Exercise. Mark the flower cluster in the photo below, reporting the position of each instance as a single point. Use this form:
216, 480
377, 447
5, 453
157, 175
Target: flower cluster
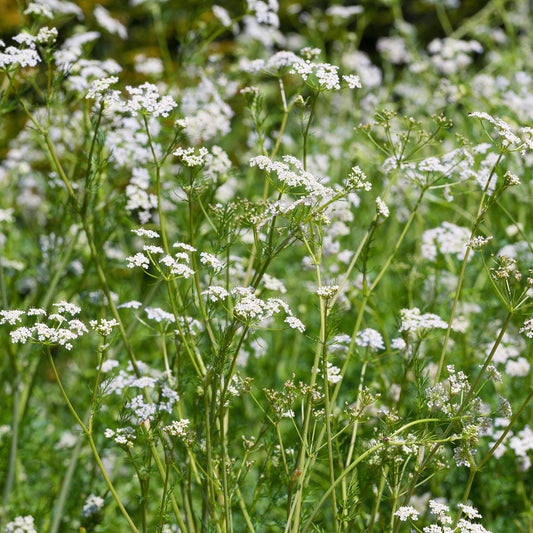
140, 405
178, 428
357, 180
442, 395
191, 157
168, 266
448, 239
332, 374
412, 321
253, 310
58, 331
93, 504
103, 327
122, 436
290, 179
443, 520
320, 76
450, 56
144, 99
27, 56
147, 100
265, 12
21, 524
503, 130
327, 291
370, 339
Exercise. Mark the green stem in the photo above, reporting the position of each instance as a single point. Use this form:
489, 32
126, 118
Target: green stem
350, 468
160, 521
479, 216
91, 443
224, 466
327, 408
506, 432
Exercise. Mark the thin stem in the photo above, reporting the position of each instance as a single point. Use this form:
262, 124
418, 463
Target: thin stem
477, 222
306, 131
350, 468
224, 466
91, 443
160, 522
506, 431
327, 409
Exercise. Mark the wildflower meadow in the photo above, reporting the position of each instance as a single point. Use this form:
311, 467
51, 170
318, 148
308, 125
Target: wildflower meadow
266, 266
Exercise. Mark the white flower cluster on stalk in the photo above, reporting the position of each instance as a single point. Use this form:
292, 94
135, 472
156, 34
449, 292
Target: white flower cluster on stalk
320, 76
144, 99
26, 54
252, 310
58, 330
168, 266
443, 519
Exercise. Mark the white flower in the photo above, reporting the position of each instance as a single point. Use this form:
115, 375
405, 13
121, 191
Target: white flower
106, 21
273, 284
141, 232
353, 81
21, 524
100, 87
151, 249
175, 267
191, 157
446, 239
344, 11
266, 12
406, 512
108, 365
518, 368
211, 261
414, 322
11, 316
222, 15
157, 314
142, 410
295, 323
398, 344
438, 508
503, 129
21, 335
333, 373
178, 428
511, 180
327, 291
103, 327
132, 304
22, 58
66, 307
527, 328
381, 208
358, 180
469, 511
371, 339
146, 99
138, 260
215, 293
184, 246
478, 242
122, 436
92, 505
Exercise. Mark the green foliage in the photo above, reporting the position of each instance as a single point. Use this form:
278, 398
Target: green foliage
251, 285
